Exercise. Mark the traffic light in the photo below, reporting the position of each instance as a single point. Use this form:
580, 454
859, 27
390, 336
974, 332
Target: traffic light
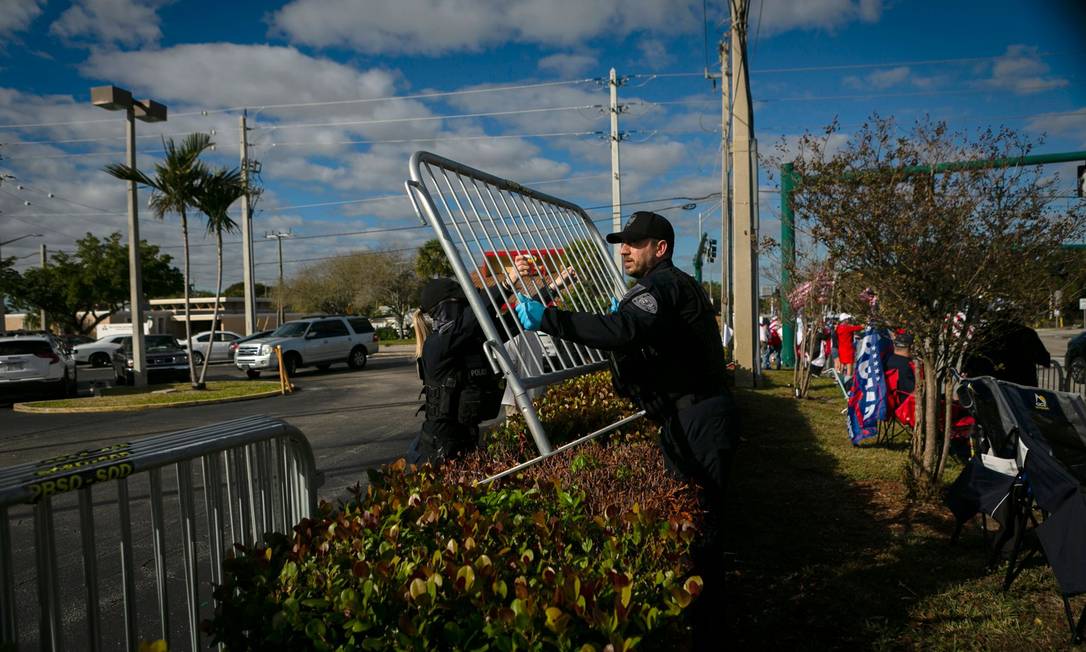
712, 251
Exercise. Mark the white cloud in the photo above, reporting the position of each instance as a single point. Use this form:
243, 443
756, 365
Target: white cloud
591, 99
17, 16
784, 15
1021, 71
567, 65
123, 22
1069, 124
654, 53
226, 74
437, 26
891, 77
887, 78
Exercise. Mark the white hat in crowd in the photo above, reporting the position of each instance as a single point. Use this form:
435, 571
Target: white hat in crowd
844, 317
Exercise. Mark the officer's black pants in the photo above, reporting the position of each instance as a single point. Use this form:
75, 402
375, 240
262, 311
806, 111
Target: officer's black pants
699, 443
441, 440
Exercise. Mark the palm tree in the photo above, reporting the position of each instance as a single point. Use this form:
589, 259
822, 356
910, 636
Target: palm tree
218, 191
174, 188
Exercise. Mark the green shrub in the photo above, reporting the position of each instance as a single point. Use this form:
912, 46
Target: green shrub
624, 475
422, 562
572, 409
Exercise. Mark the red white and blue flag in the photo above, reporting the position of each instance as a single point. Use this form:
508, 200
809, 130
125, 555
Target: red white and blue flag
867, 399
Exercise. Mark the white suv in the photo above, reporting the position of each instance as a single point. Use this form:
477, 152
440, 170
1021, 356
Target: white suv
35, 362
314, 341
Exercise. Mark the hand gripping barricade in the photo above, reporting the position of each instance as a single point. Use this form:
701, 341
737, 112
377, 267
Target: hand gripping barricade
76, 572
1029, 474
483, 222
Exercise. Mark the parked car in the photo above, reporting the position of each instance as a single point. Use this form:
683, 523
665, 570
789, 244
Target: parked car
166, 360
317, 341
72, 341
248, 338
220, 348
1074, 361
35, 363
99, 352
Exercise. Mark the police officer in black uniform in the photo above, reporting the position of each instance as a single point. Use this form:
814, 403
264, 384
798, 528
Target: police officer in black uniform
460, 387
668, 358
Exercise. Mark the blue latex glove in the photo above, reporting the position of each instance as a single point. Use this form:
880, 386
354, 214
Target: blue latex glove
614, 305
529, 312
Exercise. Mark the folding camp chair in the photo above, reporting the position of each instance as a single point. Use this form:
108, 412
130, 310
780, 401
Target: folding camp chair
900, 411
1029, 474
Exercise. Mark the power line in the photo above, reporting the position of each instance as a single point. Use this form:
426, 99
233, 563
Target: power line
415, 96
432, 117
205, 112
68, 141
364, 252
435, 139
80, 155
333, 143
846, 66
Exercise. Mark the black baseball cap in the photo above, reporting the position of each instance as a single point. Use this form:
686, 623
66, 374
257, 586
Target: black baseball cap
437, 290
645, 224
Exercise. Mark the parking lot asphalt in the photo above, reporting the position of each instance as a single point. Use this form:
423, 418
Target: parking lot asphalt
354, 420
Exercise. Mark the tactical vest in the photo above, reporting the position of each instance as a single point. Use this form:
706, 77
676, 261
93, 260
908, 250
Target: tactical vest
469, 395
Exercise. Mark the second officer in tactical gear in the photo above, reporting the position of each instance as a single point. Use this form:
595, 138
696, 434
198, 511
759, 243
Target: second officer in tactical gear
668, 358
460, 387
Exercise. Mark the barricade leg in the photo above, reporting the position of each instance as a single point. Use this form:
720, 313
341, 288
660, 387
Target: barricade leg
90, 567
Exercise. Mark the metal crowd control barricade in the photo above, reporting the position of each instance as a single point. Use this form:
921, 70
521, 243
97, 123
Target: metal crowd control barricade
483, 222
76, 572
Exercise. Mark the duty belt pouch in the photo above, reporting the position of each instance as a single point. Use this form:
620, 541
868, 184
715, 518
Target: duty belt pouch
480, 400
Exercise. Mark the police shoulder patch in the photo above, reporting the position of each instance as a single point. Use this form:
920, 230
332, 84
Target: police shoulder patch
646, 302
636, 289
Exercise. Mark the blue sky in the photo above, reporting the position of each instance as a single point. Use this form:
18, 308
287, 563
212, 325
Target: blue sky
973, 64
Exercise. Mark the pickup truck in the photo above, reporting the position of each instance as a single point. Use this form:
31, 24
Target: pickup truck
314, 341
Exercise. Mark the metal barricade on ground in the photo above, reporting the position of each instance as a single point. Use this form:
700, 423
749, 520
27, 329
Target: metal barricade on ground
1052, 377
92, 555
483, 222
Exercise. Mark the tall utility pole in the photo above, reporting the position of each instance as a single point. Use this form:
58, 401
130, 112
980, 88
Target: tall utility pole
725, 189
41, 317
247, 233
616, 180
743, 221
280, 236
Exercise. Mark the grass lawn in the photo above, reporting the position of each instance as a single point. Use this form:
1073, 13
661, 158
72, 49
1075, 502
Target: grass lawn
130, 397
829, 555
410, 341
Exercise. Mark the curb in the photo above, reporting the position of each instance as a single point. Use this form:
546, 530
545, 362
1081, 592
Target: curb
30, 408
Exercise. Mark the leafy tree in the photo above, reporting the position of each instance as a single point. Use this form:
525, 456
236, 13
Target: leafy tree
79, 290
217, 191
238, 290
174, 189
338, 286
396, 285
941, 250
431, 261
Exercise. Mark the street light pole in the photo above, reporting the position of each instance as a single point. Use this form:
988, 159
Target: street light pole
112, 98
279, 236
41, 316
3, 309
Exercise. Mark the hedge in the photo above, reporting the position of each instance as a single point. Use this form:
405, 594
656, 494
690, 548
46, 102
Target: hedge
587, 551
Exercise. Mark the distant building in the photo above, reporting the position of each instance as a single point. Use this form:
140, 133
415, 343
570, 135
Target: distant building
167, 316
